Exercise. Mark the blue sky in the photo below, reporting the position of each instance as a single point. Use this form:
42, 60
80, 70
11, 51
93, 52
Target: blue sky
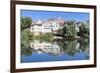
44, 15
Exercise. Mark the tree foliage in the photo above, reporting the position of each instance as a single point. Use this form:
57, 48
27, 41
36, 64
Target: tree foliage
69, 29
84, 29
26, 38
25, 22
26, 35
48, 37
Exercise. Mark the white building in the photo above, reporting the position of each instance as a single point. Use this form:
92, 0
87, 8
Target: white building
55, 26
36, 29
46, 26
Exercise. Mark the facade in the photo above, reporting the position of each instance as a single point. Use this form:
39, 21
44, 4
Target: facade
55, 26
36, 29
48, 26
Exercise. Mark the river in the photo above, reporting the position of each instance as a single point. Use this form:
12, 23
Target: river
56, 50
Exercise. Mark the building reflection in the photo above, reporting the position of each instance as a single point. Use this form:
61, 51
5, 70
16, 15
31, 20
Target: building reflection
58, 47
46, 47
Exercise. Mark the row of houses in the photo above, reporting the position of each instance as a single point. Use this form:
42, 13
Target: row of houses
51, 25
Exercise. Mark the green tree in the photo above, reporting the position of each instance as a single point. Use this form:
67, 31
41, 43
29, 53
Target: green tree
25, 22
60, 32
84, 29
70, 29
48, 37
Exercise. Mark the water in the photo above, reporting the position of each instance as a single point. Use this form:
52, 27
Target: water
56, 50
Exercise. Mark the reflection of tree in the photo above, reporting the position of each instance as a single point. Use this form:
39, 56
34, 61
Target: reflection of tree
84, 45
56, 47
86, 56
69, 46
26, 51
26, 38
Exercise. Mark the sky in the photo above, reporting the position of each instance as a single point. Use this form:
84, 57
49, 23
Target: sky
45, 15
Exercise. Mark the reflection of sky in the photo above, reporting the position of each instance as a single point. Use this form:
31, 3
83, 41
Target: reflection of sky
43, 57
44, 15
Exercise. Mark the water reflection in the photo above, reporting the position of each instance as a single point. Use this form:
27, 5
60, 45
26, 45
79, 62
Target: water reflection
76, 49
